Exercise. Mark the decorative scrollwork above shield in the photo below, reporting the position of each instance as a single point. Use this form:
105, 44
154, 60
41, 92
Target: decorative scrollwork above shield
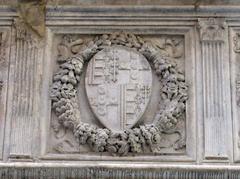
124, 140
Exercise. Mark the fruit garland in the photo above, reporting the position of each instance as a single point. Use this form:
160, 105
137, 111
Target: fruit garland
144, 138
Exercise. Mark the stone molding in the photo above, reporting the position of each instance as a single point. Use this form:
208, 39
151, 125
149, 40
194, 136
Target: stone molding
53, 170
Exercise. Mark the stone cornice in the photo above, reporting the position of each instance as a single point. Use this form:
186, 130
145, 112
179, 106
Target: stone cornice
126, 13
138, 11
154, 11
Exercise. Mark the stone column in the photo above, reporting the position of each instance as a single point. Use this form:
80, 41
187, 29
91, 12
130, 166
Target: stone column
215, 87
4, 62
25, 75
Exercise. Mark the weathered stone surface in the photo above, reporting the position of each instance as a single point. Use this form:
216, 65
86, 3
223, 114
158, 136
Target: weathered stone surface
119, 140
33, 14
167, 115
216, 114
130, 2
118, 85
143, 2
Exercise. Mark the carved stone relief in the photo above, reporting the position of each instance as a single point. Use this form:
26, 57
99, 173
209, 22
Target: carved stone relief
24, 78
118, 85
2, 48
64, 143
119, 63
213, 35
33, 15
238, 90
236, 48
4, 67
212, 29
236, 41
149, 101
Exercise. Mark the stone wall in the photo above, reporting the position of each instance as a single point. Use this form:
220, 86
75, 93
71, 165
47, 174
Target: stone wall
107, 89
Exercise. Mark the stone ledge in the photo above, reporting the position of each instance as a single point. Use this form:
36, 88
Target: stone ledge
115, 170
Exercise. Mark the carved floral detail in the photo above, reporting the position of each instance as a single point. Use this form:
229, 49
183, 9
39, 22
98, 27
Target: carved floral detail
238, 89
2, 48
236, 43
140, 139
212, 29
172, 47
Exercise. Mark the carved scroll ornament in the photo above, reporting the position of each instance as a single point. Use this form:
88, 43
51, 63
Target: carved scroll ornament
129, 140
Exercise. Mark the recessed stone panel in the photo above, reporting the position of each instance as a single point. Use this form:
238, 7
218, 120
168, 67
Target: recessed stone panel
173, 141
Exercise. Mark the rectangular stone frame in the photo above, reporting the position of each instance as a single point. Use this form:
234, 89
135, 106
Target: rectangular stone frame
4, 67
156, 29
233, 69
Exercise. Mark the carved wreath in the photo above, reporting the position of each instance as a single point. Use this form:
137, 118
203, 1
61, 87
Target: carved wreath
144, 138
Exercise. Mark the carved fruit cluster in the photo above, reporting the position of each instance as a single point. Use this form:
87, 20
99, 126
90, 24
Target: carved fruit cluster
144, 138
